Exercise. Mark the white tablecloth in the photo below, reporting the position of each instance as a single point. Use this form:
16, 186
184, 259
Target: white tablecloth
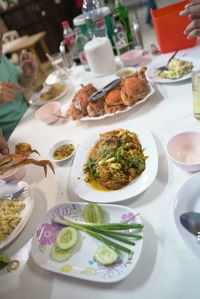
167, 268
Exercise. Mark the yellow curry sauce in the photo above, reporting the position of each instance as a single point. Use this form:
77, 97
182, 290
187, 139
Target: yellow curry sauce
114, 161
63, 151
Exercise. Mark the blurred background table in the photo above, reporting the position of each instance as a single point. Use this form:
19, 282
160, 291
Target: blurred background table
28, 42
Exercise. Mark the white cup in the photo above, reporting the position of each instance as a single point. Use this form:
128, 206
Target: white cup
100, 56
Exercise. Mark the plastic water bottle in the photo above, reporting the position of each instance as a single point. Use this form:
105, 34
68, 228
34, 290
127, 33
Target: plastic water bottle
94, 18
119, 36
80, 41
68, 35
137, 35
69, 38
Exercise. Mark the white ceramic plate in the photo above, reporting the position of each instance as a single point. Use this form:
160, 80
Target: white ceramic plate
151, 72
84, 191
25, 213
151, 91
35, 99
82, 264
188, 200
55, 146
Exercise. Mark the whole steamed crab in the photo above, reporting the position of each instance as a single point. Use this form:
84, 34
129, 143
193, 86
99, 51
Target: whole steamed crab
130, 90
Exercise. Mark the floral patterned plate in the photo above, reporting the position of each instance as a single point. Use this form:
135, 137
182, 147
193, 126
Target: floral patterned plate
82, 264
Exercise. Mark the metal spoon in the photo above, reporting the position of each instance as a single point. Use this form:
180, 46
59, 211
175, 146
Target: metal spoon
191, 222
166, 66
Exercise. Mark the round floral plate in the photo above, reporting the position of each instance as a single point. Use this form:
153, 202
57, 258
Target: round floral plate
82, 264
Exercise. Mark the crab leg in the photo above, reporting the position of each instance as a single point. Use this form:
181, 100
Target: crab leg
42, 163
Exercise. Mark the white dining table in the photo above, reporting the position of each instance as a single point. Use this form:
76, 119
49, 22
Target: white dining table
167, 267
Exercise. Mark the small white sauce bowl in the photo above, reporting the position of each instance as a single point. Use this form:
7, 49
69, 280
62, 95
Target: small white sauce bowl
184, 150
49, 113
62, 142
13, 175
132, 57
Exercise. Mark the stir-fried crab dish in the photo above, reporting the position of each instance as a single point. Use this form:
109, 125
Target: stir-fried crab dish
115, 160
20, 158
129, 91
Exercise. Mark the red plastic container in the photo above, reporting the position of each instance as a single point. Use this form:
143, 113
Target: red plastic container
169, 28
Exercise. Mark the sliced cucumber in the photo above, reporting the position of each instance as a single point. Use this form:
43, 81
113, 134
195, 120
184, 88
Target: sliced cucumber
66, 238
93, 213
59, 254
105, 255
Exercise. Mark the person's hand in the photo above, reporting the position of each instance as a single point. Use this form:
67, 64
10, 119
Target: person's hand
28, 64
3, 145
192, 10
8, 91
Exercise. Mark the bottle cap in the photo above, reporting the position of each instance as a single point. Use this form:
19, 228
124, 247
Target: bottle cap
65, 23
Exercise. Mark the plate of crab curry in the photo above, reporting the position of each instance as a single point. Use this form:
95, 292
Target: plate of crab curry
127, 93
115, 164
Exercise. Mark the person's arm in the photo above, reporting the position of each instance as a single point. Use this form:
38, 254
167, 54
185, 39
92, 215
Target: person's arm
28, 66
4, 150
192, 10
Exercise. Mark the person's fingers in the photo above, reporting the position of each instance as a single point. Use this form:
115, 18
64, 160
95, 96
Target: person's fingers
194, 17
3, 145
8, 92
195, 25
194, 33
24, 55
11, 85
191, 8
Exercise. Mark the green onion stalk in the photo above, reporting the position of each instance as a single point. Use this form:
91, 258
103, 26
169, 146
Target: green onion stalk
110, 230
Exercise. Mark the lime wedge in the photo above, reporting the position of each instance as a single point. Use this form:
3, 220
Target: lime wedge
66, 238
105, 255
93, 213
4, 260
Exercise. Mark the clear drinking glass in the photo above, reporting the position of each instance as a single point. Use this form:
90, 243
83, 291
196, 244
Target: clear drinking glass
59, 65
196, 94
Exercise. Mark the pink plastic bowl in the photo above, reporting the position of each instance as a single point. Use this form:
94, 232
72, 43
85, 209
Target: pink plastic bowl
49, 113
131, 58
13, 175
184, 150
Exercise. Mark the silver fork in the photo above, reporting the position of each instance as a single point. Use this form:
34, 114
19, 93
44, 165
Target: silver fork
165, 67
20, 194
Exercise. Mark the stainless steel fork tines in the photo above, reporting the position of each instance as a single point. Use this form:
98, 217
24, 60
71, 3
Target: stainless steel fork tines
20, 194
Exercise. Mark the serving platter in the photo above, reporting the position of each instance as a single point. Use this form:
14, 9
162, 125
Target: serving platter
152, 70
81, 264
188, 200
151, 91
137, 186
25, 213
